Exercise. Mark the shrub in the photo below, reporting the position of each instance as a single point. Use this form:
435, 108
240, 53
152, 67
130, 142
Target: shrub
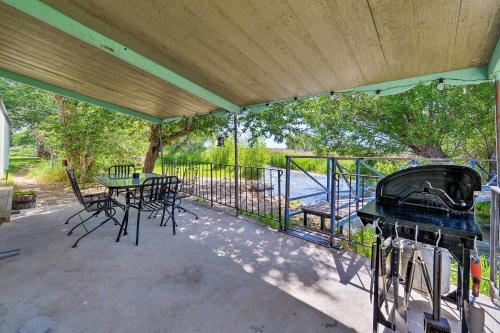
45, 173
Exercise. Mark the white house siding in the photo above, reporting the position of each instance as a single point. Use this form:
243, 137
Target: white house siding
4, 139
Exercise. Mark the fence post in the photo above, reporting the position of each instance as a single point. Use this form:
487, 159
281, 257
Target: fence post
358, 176
333, 213
287, 192
236, 166
494, 239
211, 184
280, 226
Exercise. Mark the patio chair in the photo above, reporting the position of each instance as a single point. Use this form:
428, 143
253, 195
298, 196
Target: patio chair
93, 203
154, 196
121, 171
186, 190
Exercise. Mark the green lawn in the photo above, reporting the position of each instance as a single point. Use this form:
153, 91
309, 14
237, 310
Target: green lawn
20, 163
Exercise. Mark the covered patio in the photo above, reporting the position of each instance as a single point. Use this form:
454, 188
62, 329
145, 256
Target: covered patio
218, 274
163, 62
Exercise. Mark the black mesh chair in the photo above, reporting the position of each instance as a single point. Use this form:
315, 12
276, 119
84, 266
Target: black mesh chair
121, 171
154, 196
93, 203
124, 171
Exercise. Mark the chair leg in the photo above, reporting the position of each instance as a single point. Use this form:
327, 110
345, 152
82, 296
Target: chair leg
77, 225
173, 218
187, 211
162, 216
67, 221
137, 229
91, 230
122, 226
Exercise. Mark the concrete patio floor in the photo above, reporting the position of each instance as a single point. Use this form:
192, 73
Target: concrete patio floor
218, 274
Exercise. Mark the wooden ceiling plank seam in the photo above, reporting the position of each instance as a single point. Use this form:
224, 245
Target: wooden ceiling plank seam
309, 40
251, 53
68, 93
378, 36
55, 18
331, 51
456, 34
359, 49
285, 32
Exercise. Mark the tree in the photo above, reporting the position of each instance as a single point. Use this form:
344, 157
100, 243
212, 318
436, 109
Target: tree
423, 121
207, 125
28, 109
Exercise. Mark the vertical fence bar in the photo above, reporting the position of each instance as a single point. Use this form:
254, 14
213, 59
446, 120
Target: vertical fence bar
328, 179
211, 184
287, 192
280, 173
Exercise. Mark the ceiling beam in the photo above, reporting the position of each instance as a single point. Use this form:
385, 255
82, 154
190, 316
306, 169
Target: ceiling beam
69, 93
494, 64
65, 23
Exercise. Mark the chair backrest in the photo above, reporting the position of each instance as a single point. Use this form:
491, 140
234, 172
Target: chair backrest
75, 186
189, 178
121, 170
156, 189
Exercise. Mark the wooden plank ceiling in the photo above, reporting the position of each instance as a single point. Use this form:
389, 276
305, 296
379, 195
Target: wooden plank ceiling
35, 49
250, 51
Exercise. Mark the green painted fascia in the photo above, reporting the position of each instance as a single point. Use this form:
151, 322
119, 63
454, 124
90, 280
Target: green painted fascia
472, 75
69, 93
62, 22
494, 64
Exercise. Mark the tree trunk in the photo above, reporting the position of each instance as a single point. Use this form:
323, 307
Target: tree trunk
428, 151
153, 150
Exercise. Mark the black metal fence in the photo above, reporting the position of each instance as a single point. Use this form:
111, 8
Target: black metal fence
259, 189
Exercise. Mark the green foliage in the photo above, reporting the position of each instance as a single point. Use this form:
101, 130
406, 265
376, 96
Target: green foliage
456, 122
484, 287
482, 209
256, 155
364, 236
21, 163
45, 173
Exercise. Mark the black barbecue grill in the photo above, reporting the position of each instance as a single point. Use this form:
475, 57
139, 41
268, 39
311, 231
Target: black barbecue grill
433, 204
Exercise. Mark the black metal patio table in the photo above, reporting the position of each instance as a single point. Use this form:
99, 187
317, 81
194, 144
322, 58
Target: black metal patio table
113, 183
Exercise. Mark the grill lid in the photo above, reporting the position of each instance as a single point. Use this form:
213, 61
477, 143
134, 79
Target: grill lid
447, 188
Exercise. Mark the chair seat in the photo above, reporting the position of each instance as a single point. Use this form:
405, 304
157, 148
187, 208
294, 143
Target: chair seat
151, 205
96, 201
